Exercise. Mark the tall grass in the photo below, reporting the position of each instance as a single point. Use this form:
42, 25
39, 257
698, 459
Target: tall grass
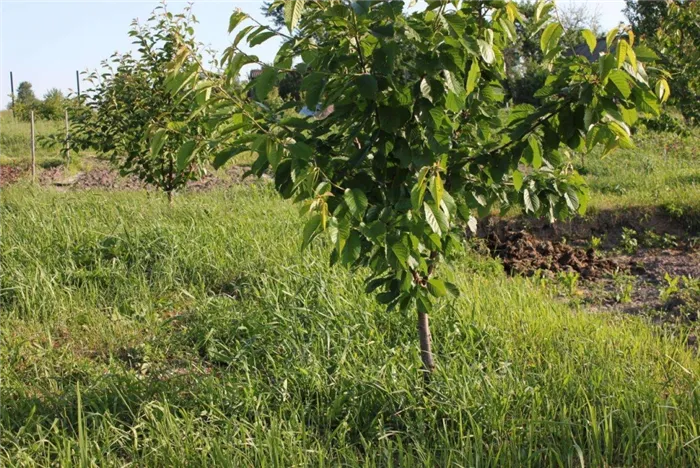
199, 335
15, 140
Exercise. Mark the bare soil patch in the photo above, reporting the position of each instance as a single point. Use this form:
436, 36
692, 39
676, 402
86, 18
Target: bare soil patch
662, 280
102, 176
11, 174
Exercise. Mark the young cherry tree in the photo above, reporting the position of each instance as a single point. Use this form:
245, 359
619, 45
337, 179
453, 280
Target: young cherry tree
411, 140
145, 123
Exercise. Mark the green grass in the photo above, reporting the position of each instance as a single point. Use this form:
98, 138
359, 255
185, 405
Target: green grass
138, 334
662, 171
15, 142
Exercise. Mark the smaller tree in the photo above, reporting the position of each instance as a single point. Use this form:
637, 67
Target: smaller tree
147, 126
413, 142
25, 102
53, 105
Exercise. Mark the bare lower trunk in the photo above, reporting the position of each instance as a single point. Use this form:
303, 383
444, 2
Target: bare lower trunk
170, 198
426, 341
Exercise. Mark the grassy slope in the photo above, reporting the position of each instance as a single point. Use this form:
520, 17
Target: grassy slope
663, 170
199, 335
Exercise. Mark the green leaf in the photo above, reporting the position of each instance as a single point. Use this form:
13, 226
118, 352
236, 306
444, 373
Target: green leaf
450, 82
401, 251
454, 102
310, 229
313, 86
184, 154
621, 52
536, 149
235, 20
367, 86
157, 141
487, 52
472, 224
619, 79
273, 151
437, 287
527, 200
605, 65
352, 249
375, 230
265, 82
417, 193
431, 219
437, 189
629, 116
292, 13
451, 287
571, 199
242, 34
610, 38
663, 91
425, 89
645, 53
550, 37
473, 77
356, 200
301, 151
222, 157
647, 102
260, 38
517, 180
590, 39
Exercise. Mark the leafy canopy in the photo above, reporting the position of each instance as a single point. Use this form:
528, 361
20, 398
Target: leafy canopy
411, 140
144, 122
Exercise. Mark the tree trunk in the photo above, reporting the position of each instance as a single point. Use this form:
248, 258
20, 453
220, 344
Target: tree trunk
426, 341
170, 197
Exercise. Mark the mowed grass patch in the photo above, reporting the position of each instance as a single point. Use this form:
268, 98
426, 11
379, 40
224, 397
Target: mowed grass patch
199, 335
662, 171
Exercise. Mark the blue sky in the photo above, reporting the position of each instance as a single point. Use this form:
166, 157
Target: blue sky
46, 42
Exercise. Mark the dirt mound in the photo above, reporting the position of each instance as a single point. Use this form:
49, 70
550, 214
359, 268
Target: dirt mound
100, 175
644, 266
11, 174
106, 178
524, 254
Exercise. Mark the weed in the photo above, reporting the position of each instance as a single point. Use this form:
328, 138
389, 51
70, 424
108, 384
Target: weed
628, 241
653, 240
595, 243
569, 279
671, 287
624, 287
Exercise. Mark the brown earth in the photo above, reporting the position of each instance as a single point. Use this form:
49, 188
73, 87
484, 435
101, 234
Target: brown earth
101, 175
609, 277
10, 174
522, 253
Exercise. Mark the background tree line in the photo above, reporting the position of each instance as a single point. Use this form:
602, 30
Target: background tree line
51, 107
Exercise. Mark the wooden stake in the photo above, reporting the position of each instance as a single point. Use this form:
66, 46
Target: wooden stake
67, 140
33, 151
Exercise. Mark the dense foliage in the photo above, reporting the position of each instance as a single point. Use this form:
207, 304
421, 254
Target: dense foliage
52, 107
402, 153
677, 43
645, 16
672, 29
144, 124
